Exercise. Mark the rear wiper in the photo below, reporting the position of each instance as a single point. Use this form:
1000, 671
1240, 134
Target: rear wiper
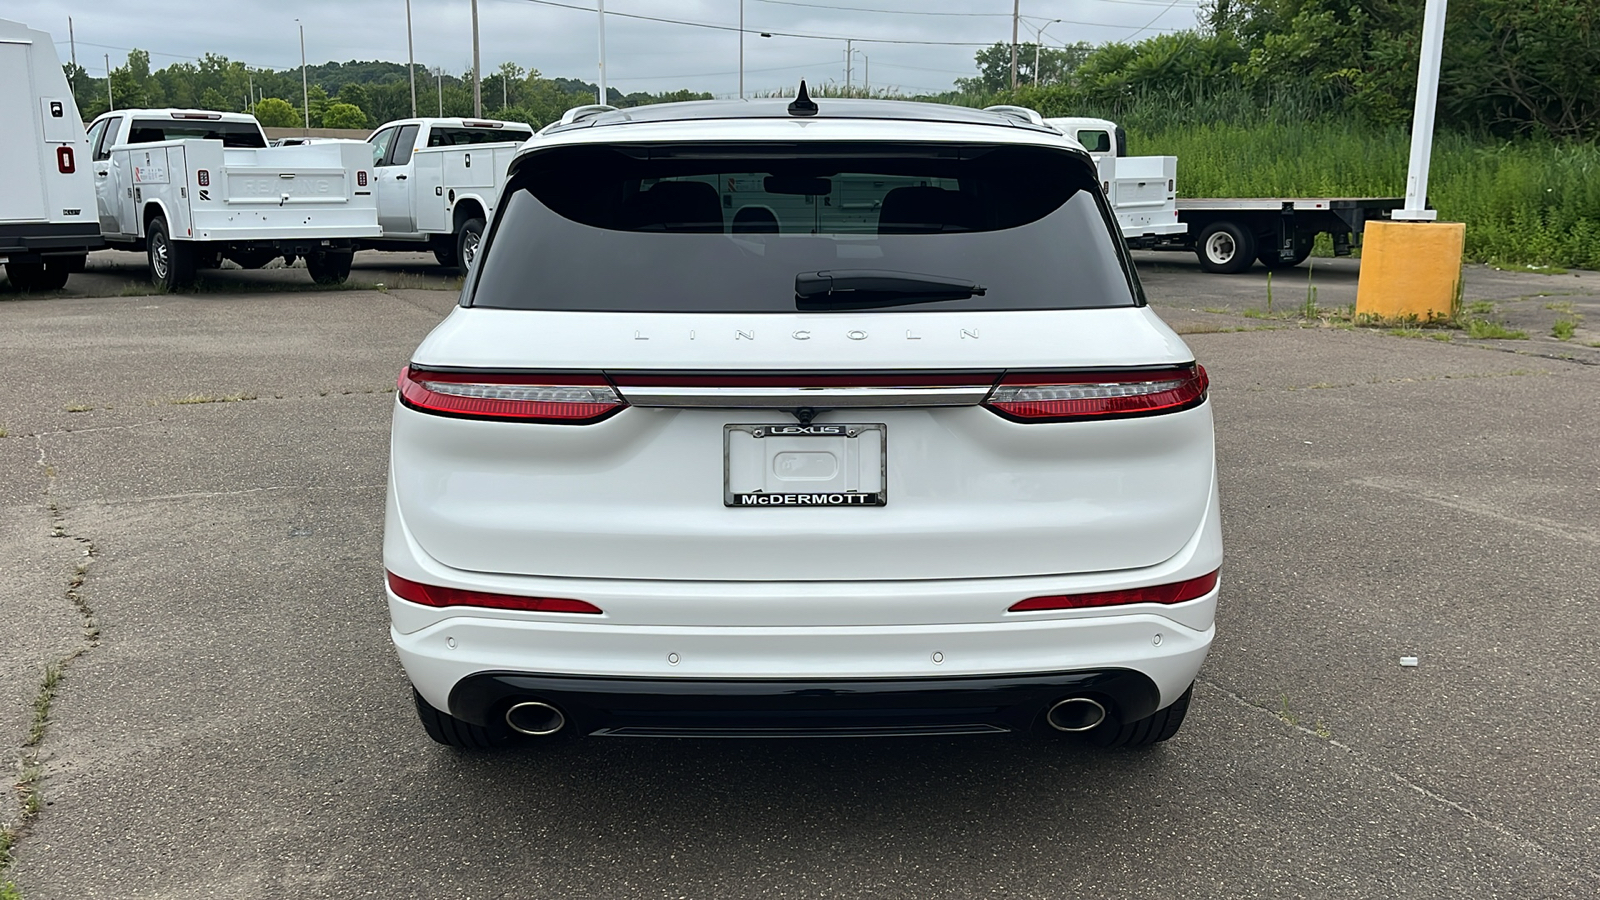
869, 288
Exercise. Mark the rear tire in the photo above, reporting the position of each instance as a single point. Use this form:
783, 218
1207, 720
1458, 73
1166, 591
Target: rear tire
1225, 249
46, 276
453, 732
329, 266
1302, 250
444, 250
171, 262
468, 240
1146, 732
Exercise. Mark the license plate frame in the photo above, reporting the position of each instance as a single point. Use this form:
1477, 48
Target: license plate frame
838, 439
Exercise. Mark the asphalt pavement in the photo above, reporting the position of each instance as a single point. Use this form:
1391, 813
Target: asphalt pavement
191, 506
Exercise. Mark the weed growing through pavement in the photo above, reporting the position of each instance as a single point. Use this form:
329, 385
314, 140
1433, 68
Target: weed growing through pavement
1309, 309
1563, 329
205, 398
1485, 330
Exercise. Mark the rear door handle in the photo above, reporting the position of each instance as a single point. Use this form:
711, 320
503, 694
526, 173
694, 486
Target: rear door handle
399, 178
102, 174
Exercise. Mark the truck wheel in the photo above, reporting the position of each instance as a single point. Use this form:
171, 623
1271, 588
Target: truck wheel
1225, 248
253, 259
329, 266
28, 277
453, 732
468, 240
76, 264
1302, 249
444, 250
1154, 729
171, 262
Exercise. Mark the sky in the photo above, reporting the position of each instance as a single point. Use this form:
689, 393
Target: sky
914, 45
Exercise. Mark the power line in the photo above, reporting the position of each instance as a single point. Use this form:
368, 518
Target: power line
814, 65
1158, 16
735, 28
176, 55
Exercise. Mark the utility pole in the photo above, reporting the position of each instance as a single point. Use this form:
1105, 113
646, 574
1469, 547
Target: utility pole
741, 49
1016, 16
866, 73
411, 61
849, 57
438, 72
477, 73
305, 92
73, 40
602, 86
111, 102
1038, 38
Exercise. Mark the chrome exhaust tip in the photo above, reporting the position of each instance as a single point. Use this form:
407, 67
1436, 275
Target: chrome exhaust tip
1075, 714
536, 719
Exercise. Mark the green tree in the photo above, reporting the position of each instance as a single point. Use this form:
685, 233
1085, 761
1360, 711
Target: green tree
275, 113
343, 115
994, 66
317, 102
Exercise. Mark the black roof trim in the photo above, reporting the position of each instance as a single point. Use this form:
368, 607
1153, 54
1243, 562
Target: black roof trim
829, 108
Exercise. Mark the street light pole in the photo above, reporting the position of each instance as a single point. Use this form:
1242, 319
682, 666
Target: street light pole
411, 61
1422, 119
741, 49
305, 92
602, 86
1016, 16
477, 73
1038, 38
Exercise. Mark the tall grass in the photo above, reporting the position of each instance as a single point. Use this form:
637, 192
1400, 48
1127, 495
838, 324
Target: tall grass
1531, 201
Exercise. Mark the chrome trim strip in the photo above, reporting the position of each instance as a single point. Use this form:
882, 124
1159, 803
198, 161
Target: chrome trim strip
795, 397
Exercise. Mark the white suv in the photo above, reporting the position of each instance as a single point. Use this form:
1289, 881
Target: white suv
766, 419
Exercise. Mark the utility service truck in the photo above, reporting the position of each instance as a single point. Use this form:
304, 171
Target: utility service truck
1228, 235
47, 220
438, 181
192, 187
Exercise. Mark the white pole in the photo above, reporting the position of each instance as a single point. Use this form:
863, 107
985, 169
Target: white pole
1422, 120
849, 57
305, 92
741, 49
111, 102
477, 74
1016, 16
411, 61
602, 86
439, 73
73, 40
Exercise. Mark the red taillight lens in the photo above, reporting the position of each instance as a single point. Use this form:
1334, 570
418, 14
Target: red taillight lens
433, 595
1036, 397
361, 179
203, 178
1177, 592
558, 399
66, 163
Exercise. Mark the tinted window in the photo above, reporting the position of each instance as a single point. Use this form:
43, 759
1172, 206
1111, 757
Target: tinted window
231, 134
730, 228
403, 145
457, 137
108, 139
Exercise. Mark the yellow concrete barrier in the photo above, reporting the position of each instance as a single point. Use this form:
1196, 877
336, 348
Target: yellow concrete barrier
1410, 270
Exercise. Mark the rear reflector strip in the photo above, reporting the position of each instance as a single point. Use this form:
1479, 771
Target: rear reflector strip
433, 595
1177, 592
1033, 397
561, 400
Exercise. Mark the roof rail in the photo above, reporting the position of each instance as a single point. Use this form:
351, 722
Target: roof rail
579, 113
1020, 113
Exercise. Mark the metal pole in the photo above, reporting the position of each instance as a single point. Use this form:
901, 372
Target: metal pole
439, 73
866, 73
602, 86
111, 102
411, 61
477, 74
849, 57
305, 92
741, 49
73, 40
1038, 38
250, 97
1422, 119
1016, 16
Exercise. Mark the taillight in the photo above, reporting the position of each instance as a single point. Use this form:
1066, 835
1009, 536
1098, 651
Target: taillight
202, 177
434, 595
361, 179
553, 399
1177, 592
1064, 396
66, 164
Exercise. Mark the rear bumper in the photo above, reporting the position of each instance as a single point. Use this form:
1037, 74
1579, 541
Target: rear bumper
638, 707
38, 242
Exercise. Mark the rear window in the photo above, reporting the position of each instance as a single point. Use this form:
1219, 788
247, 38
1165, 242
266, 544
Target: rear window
757, 228
231, 134
457, 137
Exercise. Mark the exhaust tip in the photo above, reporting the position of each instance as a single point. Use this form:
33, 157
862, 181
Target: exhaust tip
1075, 714
534, 718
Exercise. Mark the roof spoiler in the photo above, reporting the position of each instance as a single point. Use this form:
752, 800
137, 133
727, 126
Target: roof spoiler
1020, 113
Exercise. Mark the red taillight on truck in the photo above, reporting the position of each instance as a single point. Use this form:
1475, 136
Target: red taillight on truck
361, 179
202, 177
1067, 396
434, 595
550, 399
66, 164
1176, 592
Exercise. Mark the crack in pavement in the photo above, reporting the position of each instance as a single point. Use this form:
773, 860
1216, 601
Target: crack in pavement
1543, 526
30, 769
1361, 760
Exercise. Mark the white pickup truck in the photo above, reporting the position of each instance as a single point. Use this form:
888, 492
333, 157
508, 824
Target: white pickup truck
192, 187
1143, 190
438, 181
47, 223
